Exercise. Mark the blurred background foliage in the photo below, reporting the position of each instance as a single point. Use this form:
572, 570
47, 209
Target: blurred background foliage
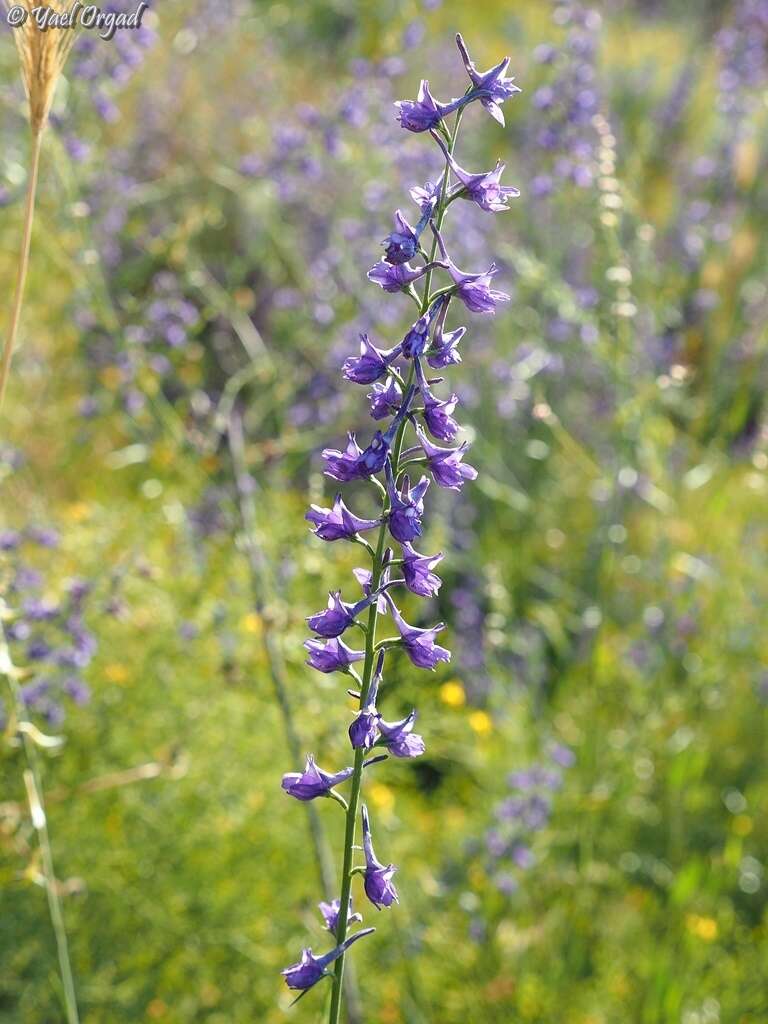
586, 840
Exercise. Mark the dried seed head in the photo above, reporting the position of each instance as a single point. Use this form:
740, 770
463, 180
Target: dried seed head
43, 53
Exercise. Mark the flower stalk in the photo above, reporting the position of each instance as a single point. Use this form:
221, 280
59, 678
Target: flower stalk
23, 267
30, 737
42, 56
402, 392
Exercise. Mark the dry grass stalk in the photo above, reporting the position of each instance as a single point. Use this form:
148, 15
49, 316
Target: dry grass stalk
42, 54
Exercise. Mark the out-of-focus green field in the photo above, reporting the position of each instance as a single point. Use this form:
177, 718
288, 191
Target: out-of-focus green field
606, 578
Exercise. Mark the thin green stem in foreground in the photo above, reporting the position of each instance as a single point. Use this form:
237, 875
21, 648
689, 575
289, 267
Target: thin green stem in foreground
34, 788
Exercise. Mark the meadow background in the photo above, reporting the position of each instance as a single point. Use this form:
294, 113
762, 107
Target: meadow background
586, 840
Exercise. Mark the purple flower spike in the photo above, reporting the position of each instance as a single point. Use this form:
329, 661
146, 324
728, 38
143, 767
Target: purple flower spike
331, 655
337, 617
405, 395
370, 365
313, 781
395, 278
400, 739
483, 189
310, 969
338, 523
330, 912
406, 507
492, 87
445, 463
378, 878
419, 644
417, 570
354, 463
385, 399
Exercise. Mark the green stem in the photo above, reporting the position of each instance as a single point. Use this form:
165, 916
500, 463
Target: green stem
34, 787
357, 776
442, 206
354, 797
261, 591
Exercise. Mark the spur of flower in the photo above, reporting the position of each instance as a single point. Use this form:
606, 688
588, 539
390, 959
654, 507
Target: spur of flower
377, 876
484, 189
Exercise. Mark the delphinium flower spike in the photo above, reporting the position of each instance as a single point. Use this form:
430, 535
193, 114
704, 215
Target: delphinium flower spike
403, 393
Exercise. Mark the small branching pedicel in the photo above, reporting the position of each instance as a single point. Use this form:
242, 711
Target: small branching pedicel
401, 392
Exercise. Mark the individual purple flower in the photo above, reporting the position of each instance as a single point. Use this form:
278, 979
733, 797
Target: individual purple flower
337, 617
396, 278
38, 609
39, 650
338, 523
491, 85
363, 732
45, 536
562, 755
10, 540
77, 690
354, 463
330, 912
313, 781
402, 244
425, 111
400, 739
483, 189
406, 506
437, 413
385, 398
331, 655
523, 856
364, 577
370, 365
445, 463
426, 197
378, 877
415, 341
310, 969
444, 349
419, 644
417, 570
474, 290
